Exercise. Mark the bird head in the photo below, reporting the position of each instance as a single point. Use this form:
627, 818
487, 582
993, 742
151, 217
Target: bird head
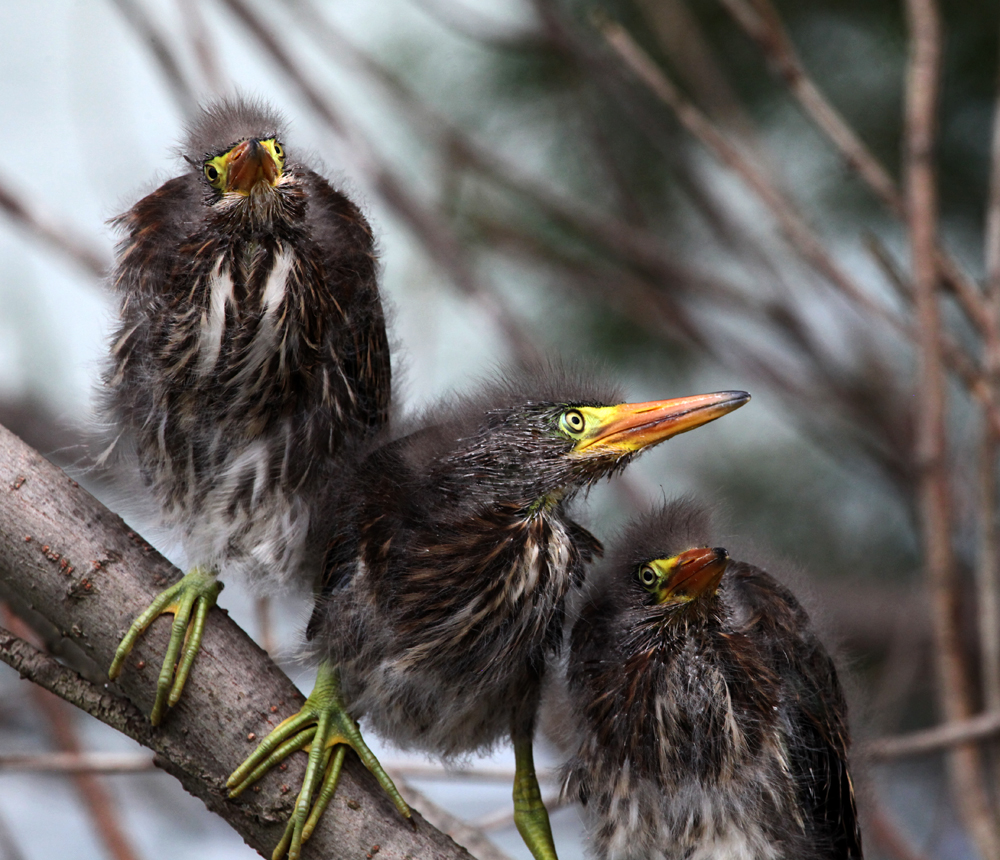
235, 145
247, 166
658, 565
684, 577
538, 445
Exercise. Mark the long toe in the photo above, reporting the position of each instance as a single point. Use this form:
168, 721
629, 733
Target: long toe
195, 592
324, 726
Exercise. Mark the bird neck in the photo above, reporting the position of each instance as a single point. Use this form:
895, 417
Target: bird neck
264, 211
545, 505
482, 585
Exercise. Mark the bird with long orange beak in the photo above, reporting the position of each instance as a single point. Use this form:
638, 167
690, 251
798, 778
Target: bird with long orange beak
452, 555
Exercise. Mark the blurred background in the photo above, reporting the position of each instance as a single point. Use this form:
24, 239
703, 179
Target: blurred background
696, 194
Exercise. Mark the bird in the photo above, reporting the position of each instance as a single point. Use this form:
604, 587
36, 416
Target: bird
250, 348
446, 577
701, 714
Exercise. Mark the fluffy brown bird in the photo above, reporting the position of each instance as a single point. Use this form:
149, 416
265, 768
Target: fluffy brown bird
707, 720
448, 572
250, 348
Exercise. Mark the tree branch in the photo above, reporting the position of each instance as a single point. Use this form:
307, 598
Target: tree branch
942, 737
954, 695
70, 559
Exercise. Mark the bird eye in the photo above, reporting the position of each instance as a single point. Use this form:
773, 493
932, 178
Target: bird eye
647, 576
279, 150
211, 173
573, 421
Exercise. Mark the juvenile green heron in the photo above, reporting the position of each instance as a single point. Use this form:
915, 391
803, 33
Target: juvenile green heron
446, 579
250, 349
707, 718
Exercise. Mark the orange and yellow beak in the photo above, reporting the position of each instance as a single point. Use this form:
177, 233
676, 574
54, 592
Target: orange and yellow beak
689, 575
630, 427
249, 163
246, 165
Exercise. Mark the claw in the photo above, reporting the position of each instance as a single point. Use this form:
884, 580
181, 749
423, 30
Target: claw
324, 728
197, 591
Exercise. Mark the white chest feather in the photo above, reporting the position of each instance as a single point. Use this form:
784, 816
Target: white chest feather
213, 320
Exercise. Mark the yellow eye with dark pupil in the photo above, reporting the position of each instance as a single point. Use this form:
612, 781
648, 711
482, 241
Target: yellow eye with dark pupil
647, 576
211, 172
278, 151
574, 420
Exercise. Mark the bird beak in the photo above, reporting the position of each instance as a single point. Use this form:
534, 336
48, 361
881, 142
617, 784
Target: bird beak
249, 163
630, 427
692, 574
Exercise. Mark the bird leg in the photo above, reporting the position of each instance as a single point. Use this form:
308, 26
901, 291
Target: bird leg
198, 590
325, 729
530, 815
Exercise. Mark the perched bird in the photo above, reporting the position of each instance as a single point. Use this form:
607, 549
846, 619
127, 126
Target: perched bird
250, 349
447, 576
706, 718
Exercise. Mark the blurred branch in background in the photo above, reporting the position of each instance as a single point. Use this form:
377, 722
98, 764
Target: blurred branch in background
92, 792
34, 220
150, 35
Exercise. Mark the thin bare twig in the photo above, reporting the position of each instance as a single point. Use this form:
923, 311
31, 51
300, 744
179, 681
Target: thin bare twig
630, 244
763, 24
988, 569
889, 268
201, 42
792, 224
760, 20
937, 739
954, 696
150, 35
988, 563
92, 792
478, 773
799, 234
60, 236
474, 839
79, 762
678, 31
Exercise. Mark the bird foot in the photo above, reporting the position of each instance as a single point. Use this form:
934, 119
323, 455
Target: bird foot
325, 729
196, 592
530, 815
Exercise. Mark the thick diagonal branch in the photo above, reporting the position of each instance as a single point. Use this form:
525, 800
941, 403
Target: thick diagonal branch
68, 558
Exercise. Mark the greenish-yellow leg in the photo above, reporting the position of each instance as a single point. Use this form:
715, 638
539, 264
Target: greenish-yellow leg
195, 593
324, 728
530, 815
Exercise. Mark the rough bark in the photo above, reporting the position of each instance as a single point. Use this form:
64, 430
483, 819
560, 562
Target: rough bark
68, 558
